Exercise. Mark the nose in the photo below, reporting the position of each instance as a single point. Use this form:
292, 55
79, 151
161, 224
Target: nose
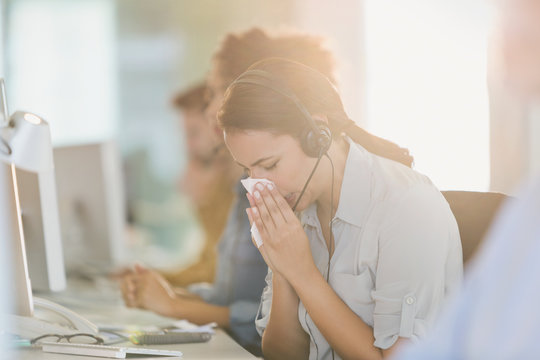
256, 174
260, 174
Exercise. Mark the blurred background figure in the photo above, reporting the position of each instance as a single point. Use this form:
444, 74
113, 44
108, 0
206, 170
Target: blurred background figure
203, 183
233, 299
496, 315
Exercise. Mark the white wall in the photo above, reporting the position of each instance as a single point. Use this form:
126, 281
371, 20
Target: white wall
426, 85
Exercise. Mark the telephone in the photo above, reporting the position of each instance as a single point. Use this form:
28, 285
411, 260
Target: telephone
49, 318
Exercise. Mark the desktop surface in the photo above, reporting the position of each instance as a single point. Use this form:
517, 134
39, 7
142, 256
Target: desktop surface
221, 346
100, 302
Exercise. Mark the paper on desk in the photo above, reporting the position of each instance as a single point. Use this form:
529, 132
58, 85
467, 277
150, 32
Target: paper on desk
184, 325
249, 184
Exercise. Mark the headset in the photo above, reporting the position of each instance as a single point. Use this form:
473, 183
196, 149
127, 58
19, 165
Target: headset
316, 137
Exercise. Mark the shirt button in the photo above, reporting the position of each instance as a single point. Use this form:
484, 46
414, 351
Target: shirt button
410, 300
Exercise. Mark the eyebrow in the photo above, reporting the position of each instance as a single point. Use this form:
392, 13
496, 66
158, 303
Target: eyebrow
256, 162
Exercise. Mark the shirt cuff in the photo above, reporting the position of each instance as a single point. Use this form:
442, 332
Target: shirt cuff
204, 290
392, 324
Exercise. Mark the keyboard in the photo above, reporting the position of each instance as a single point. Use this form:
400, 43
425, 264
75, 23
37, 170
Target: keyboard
169, 337
106, 351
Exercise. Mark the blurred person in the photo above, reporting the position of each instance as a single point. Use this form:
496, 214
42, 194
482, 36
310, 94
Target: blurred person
202, 183
495, 315
233, 299
373, 248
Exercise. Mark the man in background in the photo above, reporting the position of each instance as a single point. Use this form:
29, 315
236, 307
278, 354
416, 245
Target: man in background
203, 183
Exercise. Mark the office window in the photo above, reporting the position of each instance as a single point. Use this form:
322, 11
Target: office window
61, 65
426, 85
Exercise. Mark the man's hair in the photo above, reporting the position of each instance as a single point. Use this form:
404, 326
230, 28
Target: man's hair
239, 51
193, 98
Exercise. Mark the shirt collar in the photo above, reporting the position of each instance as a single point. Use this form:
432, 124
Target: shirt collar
355, 189
309, 216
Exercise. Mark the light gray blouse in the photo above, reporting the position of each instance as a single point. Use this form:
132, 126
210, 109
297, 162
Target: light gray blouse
397, 251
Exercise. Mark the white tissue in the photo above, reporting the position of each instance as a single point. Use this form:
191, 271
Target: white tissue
249, 184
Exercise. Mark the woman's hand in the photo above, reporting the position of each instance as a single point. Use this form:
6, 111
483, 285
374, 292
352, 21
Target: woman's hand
285, 244
147, 289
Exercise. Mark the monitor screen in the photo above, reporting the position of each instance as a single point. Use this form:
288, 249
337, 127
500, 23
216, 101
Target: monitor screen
92, 208
41, 227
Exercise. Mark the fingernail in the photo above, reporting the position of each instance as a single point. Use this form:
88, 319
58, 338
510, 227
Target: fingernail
260, 187
270, 187
254, 210
257, 194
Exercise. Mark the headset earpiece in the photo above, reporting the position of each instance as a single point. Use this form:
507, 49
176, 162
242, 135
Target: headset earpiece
316, 141
316, 137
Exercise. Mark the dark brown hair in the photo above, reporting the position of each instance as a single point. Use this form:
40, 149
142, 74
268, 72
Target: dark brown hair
239, 51
192, 98
248, 106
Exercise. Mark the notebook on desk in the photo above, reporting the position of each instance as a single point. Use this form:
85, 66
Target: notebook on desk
105, 351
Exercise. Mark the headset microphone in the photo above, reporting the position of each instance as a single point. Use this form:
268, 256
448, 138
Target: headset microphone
307, 183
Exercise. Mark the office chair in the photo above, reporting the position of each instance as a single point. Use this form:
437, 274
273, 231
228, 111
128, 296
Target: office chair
474, 213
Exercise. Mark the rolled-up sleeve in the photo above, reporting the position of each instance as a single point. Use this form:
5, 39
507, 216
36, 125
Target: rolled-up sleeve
415, 239
263, 313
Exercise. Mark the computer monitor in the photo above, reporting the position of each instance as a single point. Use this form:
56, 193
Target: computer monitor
27, 158
5, 255
18, 299
29, 225
92, 207
41, 227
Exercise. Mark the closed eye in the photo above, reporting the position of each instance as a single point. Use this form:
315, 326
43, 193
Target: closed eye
273, 166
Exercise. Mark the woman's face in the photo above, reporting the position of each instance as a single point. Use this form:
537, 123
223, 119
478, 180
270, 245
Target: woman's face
278, 158
198, 133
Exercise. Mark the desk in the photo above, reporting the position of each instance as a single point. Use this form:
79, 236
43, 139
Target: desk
101, 304
221, 346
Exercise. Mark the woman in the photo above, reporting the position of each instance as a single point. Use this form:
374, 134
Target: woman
376, 248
